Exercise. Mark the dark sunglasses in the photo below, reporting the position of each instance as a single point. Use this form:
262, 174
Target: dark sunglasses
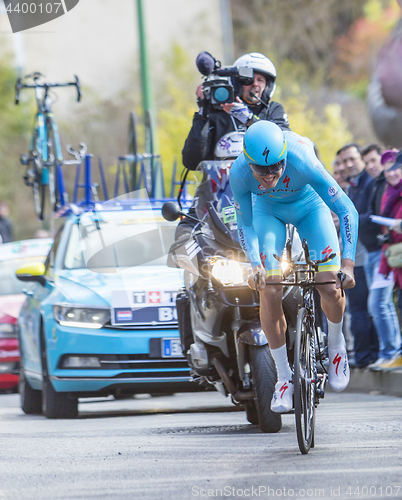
267, 169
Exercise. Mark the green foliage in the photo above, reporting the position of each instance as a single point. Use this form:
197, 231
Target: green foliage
176, 106
15, 124
329, 132
373, 10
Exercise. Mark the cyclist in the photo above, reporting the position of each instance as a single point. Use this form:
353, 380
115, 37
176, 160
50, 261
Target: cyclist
276, 180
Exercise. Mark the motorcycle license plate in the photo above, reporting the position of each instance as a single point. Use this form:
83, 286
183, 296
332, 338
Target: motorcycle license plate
171, 348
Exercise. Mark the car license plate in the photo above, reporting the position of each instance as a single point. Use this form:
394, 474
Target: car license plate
171, 348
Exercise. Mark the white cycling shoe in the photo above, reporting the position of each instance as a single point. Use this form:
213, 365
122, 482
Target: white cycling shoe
282, 400
339, 373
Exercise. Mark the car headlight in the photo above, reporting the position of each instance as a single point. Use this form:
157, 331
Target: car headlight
230, 272
81, 317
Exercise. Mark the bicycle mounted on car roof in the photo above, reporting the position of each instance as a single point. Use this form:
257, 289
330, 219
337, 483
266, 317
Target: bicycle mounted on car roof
45, 156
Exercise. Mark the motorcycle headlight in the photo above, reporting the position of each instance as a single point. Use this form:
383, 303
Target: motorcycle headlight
230, 272
81, 317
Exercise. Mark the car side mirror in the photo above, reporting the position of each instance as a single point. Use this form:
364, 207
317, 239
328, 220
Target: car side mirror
34, 272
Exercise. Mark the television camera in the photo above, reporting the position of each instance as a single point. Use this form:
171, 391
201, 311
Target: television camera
221, 83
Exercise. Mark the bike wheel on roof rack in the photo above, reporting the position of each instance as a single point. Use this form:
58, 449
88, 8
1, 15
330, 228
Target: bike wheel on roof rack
133, 148
149, 147
54, 192
33, 176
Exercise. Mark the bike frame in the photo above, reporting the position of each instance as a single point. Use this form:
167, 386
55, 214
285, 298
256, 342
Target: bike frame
304, 277
45, 118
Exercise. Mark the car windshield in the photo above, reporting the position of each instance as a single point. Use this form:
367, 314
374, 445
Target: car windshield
10, 284
103, 242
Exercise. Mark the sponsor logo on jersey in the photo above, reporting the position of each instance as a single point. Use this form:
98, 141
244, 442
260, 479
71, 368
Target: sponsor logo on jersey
282, 192
262, 188
286, 181
346, 225
327, 251
332, 191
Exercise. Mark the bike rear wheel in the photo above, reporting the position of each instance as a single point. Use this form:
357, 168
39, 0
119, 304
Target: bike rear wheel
149, 149
304, 381
53, 191
133, 148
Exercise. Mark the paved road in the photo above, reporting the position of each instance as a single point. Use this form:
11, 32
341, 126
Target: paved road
198, 446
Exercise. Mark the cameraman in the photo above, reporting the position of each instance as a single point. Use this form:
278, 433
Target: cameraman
210, 125
252, 104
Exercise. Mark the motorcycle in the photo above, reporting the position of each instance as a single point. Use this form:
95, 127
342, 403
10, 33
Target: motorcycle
218, 314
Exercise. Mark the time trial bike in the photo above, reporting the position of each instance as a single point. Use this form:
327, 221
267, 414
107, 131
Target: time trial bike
310, 360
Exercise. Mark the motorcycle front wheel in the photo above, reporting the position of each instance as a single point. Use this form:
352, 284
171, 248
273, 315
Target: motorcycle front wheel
263, 371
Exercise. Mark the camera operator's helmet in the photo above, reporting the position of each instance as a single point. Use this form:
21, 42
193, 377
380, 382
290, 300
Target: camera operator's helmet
229, 146
265, 147
260, 63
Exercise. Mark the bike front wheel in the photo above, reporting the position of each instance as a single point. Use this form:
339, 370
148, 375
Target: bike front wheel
33, 176
304, 381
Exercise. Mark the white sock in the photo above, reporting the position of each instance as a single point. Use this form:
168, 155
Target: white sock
335, 335
280, 356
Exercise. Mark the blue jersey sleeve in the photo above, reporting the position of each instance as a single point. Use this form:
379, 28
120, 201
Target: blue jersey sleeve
244, 213
334, 197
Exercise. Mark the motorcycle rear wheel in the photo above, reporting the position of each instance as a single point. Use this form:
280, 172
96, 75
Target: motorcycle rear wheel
264, 375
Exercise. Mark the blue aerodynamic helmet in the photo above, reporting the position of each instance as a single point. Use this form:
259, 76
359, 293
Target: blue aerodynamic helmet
265, 147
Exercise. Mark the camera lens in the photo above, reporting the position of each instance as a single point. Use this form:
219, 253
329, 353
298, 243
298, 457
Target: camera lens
221, 94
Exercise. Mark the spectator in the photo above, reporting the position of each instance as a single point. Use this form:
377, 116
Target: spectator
364, 334
340, 174
6, 228
372, 158
380, 303
392, 207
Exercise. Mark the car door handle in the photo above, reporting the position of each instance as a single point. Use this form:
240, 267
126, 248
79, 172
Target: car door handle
28, 292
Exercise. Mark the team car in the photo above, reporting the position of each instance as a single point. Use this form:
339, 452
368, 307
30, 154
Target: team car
100, 317
12, 256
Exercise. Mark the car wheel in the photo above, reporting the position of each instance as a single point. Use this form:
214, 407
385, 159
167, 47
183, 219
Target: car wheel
31, 400
55, 404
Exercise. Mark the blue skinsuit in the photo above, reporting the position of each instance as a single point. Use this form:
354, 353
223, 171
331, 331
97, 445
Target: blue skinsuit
301, 197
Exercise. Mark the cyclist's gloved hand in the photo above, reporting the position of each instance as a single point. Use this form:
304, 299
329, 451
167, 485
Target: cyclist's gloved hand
256, 280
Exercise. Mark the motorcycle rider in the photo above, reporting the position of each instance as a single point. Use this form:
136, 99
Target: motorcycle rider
209, 125
227, 149
278, 180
